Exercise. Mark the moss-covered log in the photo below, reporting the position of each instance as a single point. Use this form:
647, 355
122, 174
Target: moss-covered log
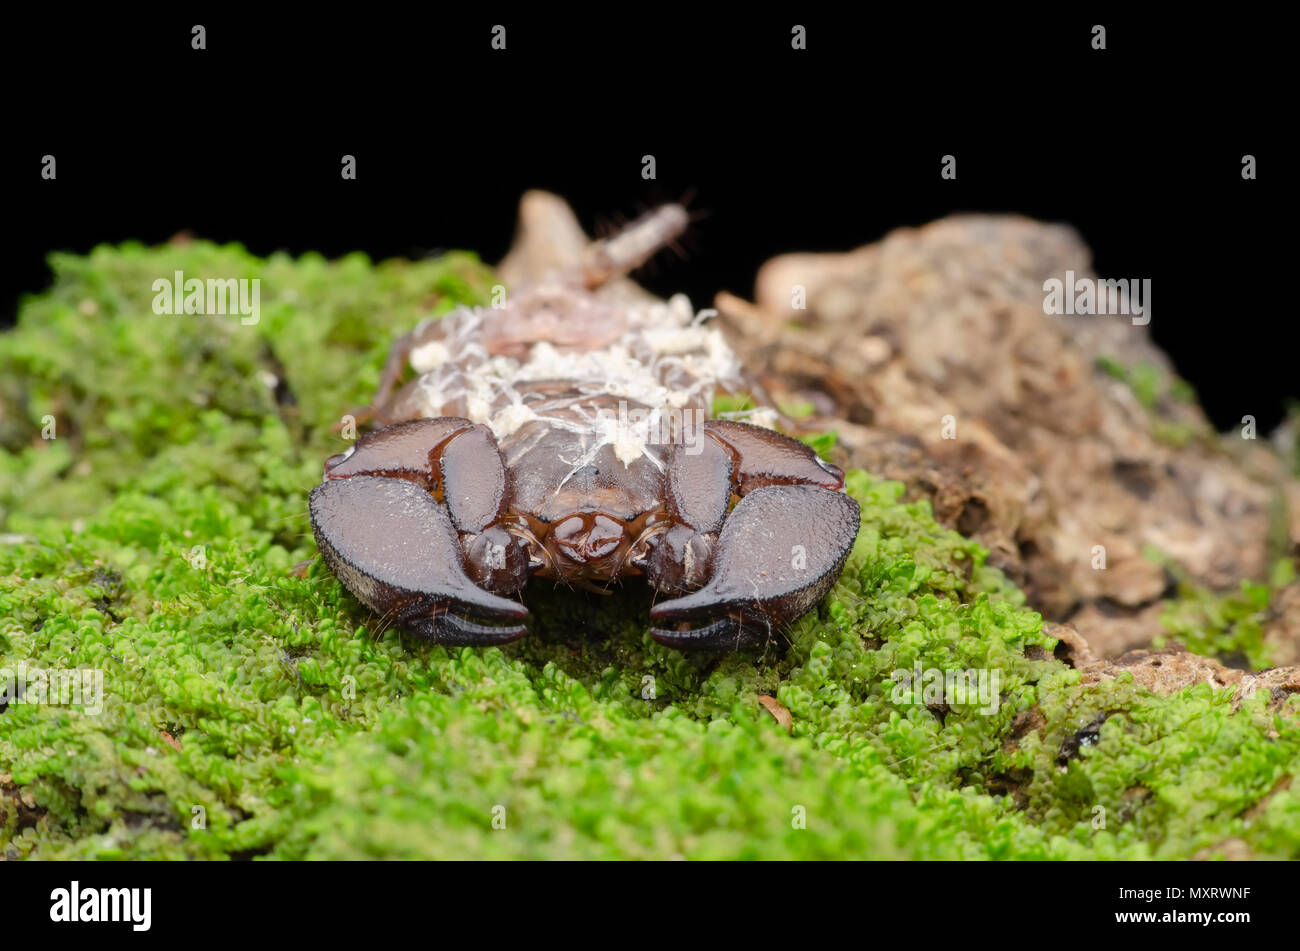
252, 708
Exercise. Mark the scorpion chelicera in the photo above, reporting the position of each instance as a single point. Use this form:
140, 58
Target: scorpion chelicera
565, 433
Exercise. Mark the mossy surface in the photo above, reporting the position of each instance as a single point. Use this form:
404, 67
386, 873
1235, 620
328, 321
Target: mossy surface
252, 709
1160, 393
1227, 625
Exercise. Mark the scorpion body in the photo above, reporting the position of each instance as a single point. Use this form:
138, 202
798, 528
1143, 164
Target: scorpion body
566, 435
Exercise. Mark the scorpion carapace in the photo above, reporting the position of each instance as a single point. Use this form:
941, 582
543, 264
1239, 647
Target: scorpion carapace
565, 434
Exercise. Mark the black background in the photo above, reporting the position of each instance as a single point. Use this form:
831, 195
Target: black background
517, 904
1138, 146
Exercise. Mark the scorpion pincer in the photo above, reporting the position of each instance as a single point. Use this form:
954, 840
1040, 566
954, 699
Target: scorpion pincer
566, 435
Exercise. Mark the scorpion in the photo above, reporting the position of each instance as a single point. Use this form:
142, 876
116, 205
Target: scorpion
565, 433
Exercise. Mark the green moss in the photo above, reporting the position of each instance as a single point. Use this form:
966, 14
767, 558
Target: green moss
797, 409
1159, 392
732, 403
1228, 625
822, 443
252, 709
1150, 384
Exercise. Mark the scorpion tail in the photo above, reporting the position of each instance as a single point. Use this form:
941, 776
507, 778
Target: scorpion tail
634, 245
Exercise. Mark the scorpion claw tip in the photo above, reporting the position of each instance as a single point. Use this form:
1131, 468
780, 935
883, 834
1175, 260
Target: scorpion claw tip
723, 634
454, 630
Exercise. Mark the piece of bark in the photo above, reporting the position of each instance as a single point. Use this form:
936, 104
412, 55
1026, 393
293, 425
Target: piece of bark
1054, 464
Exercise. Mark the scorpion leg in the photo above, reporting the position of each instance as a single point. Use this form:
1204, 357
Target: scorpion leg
770, 560
394, 517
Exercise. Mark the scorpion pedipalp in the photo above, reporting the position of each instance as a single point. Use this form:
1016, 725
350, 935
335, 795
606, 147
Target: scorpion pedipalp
766, 562
780, 551
383, 531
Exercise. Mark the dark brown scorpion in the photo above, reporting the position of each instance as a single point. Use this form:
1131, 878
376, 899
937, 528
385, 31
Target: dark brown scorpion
565, 433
